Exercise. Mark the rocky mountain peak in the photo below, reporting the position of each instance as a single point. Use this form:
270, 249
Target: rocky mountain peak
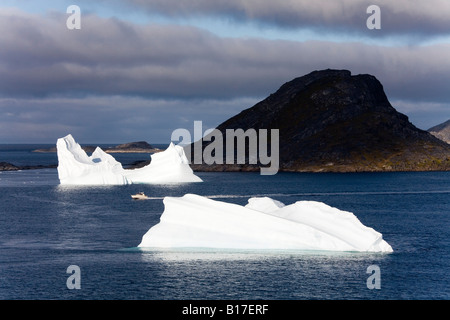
331, 120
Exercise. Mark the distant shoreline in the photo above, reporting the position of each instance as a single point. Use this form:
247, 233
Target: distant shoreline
6, 166
91, 149
130, 147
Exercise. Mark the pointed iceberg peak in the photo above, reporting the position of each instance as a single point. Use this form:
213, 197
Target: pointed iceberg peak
169, 166
75, 167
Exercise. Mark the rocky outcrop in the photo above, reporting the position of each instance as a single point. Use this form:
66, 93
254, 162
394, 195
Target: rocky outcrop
333, 121
133, 147
6, 166
441, 131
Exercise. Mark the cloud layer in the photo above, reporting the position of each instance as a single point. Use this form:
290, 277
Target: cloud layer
39, 56
54, 80
398, 17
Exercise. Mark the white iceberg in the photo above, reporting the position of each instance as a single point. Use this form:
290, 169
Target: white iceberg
75, 167
194, 221
165, 167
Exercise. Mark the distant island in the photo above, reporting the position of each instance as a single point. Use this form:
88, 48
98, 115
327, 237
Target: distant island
332, 121
130, 147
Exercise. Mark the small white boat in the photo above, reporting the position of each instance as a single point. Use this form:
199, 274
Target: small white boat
139, 196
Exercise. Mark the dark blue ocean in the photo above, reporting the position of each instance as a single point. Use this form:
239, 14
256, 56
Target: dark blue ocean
45, 228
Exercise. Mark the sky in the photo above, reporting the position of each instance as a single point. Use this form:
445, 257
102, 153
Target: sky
137, 70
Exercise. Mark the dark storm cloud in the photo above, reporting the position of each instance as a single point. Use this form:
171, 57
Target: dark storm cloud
40, 57
115, 81
399, 17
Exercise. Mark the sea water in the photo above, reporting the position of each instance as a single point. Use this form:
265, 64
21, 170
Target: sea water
45, 228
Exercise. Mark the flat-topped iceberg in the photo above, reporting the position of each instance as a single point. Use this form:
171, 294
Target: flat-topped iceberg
194, 221
75, 167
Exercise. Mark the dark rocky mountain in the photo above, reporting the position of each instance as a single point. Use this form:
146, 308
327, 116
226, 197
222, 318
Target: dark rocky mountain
333, 121
441, 131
